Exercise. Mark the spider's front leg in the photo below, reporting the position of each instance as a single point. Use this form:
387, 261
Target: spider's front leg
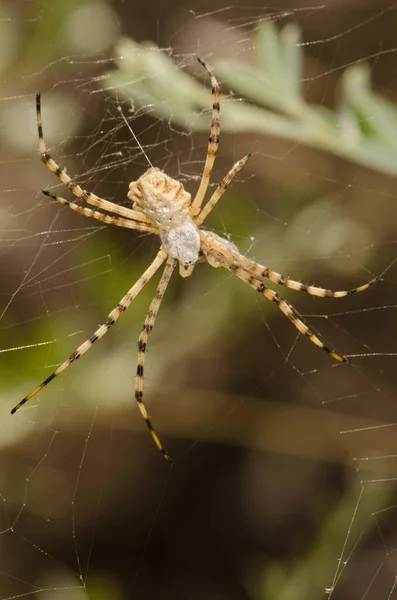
103, 329
221, 253
142, 344
230, 253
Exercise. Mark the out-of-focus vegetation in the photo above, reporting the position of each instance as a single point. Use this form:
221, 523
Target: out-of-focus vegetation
261, 499
363, 129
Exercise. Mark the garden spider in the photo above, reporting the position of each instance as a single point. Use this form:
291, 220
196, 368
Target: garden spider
162, 206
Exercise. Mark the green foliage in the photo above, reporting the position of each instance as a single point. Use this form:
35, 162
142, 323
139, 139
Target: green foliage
363, 128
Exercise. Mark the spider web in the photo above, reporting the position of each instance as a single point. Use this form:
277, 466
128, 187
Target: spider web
284, 480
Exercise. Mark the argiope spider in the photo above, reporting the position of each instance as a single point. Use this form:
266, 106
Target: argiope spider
162, 206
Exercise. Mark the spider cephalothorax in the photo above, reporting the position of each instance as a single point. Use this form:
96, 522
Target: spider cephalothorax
161, 205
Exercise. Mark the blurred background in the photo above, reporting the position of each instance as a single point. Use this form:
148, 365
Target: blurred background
283, 483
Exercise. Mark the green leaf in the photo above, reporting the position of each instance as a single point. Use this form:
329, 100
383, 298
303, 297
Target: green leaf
363, 129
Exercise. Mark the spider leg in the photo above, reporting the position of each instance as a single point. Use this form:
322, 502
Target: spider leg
103, 329
89, 197
287, 310
293, 316
260, 272
271, 295
199, 219
142, 343
213, 142
109, 219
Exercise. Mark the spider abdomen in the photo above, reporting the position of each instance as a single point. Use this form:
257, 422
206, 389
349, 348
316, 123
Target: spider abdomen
162, 199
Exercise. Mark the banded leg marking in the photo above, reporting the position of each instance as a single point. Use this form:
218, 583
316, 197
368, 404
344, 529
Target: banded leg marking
89, 197
220, 190
284, 306
213, 141
103, 329
260, 272
142, 344
293, 316
109, 219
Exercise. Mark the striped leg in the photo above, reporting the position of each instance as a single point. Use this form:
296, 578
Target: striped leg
213, 142
285, 308
260, 272
289, 312
142, 343
109, 219
215, 245
219, 190
103, 329
90, 198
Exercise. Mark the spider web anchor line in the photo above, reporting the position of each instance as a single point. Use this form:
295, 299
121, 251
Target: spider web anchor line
134, 136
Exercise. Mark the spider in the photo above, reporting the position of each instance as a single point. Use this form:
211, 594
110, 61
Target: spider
161, 206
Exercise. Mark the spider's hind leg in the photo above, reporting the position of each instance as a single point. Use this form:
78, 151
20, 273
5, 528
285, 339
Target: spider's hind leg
213, 141
79, 192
